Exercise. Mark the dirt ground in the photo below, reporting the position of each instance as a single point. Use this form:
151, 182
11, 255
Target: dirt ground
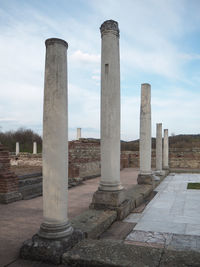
20, 220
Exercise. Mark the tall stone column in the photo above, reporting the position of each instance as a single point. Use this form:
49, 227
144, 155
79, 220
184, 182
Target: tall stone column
159, 147
78, 133
110, 117
166, 151
145, 175
55, 234
34, 147
17, 148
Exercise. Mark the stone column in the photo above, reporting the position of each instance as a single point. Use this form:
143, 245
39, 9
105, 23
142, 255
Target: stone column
166, 151
145, 175
34, 147
78, 133
17, 148
158, 148
55, 229
110, 117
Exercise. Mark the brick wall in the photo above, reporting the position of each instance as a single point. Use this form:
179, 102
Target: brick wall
84, 158
8, 179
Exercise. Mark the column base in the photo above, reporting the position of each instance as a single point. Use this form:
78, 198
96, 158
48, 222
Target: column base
160, 173
145, 178
55, 231
49, 250
110, 187
166, 168
107, 199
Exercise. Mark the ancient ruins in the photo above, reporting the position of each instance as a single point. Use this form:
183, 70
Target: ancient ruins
66, 164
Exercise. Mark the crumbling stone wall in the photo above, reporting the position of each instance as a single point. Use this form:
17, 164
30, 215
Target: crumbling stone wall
184, 158
84, 158
26, 159
179, 158
8, 179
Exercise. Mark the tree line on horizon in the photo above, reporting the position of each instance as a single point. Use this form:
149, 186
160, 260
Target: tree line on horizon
25, 137
175, 141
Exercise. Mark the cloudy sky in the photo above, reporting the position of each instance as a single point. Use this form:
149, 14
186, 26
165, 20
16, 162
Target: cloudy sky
159, 44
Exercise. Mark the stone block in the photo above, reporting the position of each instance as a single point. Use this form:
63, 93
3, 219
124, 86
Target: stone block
118, 231
125, 208
47, 250
180, 258
108, 199
94, 222
31, 191
107, 253
9, 197
145, 179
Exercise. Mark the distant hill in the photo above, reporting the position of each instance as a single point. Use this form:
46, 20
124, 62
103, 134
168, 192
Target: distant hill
177, 141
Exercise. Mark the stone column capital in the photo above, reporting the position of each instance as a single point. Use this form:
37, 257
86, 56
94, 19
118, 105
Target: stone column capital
109, 26
52, 41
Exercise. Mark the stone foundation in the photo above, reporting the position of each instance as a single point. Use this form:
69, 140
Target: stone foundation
145, 179
47, 250
107, 199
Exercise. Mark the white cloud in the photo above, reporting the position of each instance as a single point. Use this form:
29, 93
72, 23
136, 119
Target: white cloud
85, 57
84, 110
96, 77
151, 36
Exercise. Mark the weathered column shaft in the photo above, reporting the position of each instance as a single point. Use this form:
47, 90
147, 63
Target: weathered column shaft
159, 147
34, 147
55, 141
145, 130
56, 235
17, 148
78, 133
166, 150
110, 107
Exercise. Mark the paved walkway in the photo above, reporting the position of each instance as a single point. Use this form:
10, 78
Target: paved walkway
174, 210
20, 220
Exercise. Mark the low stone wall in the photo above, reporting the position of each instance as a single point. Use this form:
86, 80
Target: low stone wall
8, 180
184, 158
178, 158
84, 158
26, 159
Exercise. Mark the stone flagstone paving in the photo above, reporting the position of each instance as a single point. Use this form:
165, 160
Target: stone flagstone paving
172, 213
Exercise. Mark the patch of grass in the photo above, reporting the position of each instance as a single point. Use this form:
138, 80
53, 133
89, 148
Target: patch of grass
193, 186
